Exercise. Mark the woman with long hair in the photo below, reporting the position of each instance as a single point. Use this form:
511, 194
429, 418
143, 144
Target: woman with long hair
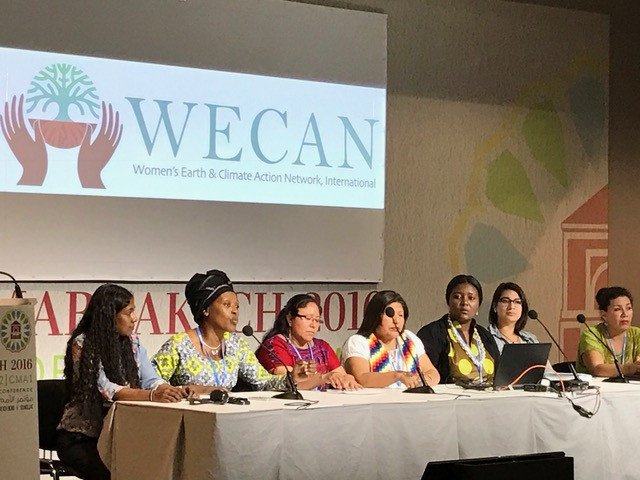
293, 339
383, 353
104, 361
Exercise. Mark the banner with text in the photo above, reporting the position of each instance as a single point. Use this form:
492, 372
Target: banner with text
163, 311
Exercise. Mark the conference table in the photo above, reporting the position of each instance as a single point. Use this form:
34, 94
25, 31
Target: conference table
374, 433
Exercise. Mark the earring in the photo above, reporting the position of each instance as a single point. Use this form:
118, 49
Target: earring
206, 314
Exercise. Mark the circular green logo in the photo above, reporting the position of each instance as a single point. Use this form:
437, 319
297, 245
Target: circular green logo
15, 331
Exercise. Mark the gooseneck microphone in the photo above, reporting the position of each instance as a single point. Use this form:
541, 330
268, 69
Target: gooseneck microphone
620, 378
579, 384
293, 393
425, 388
17, 289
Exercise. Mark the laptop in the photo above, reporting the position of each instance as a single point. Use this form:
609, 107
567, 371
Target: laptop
515, 359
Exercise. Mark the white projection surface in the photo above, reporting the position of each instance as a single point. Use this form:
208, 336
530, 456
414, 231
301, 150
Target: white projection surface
259, 150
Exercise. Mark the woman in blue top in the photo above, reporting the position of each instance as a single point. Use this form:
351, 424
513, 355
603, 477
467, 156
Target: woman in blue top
508, 316
104, 361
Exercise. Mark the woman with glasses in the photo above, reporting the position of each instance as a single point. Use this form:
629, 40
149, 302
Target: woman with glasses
292, 341
508, 316
383, 353
461, 350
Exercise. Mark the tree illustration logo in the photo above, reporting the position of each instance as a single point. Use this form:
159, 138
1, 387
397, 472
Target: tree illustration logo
64, 86
70, 90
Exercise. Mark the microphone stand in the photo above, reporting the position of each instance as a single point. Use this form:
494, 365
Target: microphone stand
17, 289
293, 393
620, 378
425, 388
580, 384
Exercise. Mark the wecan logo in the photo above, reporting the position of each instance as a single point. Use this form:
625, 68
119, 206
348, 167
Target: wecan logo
68, 89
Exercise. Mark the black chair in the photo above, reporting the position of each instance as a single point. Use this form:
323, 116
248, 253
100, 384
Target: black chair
563, 367
52, 397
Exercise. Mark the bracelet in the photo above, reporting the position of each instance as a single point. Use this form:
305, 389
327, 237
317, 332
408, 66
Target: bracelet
151, 392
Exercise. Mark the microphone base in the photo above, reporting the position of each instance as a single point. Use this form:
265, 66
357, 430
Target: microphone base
616, 380
289, 395
425, 389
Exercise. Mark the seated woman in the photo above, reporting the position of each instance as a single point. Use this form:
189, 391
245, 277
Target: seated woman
383, 353
461, 349
508, 316
292, 339
616, 311
213, 355
104, 361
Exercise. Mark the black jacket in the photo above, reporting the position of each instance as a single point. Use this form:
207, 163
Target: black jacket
436, 343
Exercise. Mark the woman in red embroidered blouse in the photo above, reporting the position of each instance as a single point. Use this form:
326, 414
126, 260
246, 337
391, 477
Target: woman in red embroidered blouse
292, 340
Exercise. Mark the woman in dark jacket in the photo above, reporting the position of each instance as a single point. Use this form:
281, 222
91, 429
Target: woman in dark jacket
459, 348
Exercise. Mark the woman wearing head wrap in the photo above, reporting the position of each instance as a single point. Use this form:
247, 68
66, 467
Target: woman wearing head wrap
213, 355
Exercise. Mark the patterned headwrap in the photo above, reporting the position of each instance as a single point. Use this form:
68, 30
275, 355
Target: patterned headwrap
203, 288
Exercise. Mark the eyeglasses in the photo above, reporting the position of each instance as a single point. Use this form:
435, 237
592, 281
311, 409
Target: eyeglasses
310, 319
508, 301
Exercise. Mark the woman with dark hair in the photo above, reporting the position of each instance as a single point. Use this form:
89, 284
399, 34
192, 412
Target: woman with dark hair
212, 355
616, 312
292, 339
508, 316
383, 353
461, 349
104, 361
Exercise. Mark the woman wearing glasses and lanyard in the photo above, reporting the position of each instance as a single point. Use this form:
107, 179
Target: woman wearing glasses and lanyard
508, 316
292, 340
461, 349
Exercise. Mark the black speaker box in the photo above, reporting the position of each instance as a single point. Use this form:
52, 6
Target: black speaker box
522, 467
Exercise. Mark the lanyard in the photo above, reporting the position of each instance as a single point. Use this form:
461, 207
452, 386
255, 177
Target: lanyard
477, 360
222, 365
309, 349
624, 346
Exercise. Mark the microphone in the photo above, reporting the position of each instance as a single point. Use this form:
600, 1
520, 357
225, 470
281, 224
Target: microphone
15, 282
391, 313
219, 397
293, 393
576, 384
620, 378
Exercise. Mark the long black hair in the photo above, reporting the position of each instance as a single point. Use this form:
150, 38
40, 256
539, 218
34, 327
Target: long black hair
281, 324
375, 309
102, 345
493, 315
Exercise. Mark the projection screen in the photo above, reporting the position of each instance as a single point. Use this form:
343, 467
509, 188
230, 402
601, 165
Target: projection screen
146, 141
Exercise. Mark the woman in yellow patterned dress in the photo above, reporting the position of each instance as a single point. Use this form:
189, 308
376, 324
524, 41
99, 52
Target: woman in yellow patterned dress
213, 355
461, 349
